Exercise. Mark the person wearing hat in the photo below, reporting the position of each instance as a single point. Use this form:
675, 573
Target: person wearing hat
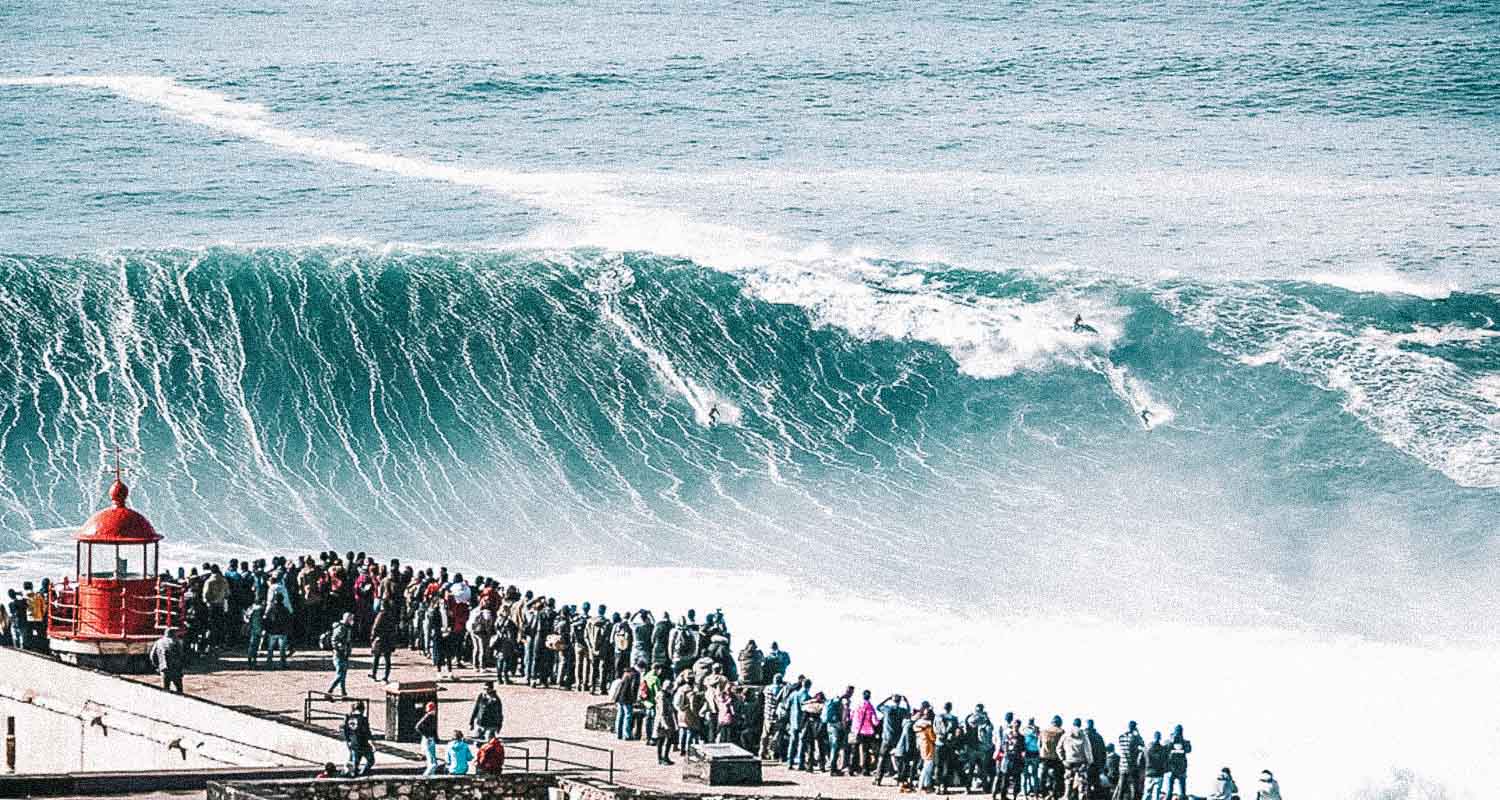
1269, 789
427, 728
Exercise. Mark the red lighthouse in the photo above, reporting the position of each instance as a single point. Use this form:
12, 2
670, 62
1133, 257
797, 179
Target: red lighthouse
116, 605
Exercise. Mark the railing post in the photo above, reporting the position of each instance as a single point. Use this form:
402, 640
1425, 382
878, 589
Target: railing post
547, 755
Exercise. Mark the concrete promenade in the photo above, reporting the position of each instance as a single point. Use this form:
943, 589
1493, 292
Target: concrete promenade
552, 713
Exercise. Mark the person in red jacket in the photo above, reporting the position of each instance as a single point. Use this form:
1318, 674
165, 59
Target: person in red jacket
491, 757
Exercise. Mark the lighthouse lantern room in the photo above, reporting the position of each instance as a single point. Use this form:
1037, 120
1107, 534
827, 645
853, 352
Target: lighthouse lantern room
116, 604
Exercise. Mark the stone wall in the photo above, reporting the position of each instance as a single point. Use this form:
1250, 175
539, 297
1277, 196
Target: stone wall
514, 786
519, 786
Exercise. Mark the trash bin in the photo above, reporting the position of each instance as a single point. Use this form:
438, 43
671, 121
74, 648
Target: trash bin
405, 703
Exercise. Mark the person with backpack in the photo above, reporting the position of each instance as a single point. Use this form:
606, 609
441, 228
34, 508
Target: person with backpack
687, 706
1131, 749
340, 639
835, 720
685, 646
357, 736
620, 639
661, 641
596, 638
481, 629
277, 620
980, 733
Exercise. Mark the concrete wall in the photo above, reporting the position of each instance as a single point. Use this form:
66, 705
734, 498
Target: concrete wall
138, 727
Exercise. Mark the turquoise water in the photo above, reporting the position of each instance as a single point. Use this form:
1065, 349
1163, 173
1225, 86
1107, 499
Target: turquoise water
464, 280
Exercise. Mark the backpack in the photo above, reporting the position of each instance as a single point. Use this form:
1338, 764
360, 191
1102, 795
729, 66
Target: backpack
351, 729
687, 643
622, 638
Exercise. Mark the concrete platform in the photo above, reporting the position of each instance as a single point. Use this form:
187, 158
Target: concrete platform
528, 712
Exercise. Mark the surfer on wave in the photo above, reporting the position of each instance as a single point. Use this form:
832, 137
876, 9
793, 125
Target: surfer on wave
1079, 326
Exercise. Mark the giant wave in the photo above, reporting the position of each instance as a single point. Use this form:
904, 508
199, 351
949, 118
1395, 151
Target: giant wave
554, 406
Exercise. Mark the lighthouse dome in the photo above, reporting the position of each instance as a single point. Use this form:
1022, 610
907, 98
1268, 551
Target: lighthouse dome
118, 524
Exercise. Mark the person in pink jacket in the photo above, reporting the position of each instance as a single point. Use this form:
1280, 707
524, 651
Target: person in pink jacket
865, 724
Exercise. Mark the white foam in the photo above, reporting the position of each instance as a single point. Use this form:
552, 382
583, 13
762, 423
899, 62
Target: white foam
1136, 394
1249, 698
1380, 280
1417, 402
1261, 359
709, 406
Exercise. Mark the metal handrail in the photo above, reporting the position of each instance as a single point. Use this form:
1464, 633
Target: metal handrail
310, 713
548, 758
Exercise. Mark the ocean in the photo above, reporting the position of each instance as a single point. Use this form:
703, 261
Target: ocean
771, 306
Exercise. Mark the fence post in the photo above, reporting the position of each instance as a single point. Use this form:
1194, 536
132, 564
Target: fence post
547, 755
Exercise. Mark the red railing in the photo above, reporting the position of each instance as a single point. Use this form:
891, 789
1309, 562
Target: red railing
118, 616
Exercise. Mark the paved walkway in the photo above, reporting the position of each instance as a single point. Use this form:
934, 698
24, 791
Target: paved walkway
528, 712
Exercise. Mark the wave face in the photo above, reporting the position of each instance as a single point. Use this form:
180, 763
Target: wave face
550, 408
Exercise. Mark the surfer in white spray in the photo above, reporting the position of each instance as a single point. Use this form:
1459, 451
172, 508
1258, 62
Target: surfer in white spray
1146, 418
1079, 326
713, 416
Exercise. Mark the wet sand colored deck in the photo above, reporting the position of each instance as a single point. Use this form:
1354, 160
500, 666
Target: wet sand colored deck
552, 713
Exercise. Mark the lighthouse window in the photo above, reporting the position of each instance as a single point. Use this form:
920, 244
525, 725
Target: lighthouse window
112, 562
